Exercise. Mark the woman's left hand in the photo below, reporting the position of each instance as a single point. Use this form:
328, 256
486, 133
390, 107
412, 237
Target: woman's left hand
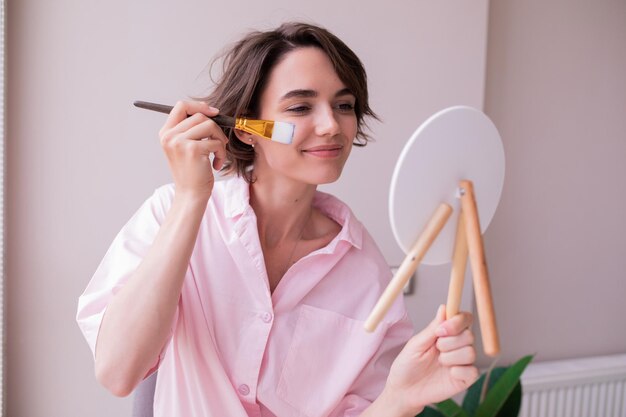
435, 364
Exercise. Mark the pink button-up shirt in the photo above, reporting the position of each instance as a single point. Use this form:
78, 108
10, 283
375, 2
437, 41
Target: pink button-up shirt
239, 350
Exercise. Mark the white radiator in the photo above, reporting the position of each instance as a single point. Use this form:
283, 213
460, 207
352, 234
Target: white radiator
588, 387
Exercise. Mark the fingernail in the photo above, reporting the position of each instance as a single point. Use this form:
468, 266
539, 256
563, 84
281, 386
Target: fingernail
441, 331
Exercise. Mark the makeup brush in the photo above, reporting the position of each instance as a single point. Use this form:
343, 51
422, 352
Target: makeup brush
277, 131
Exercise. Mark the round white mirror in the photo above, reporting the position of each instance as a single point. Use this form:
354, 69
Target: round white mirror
458, 143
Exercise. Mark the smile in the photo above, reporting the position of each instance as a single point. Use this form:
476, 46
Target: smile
324, 151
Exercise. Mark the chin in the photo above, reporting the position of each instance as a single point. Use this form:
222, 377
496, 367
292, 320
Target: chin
326, 178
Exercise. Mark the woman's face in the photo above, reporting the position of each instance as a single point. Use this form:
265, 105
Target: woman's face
304, 89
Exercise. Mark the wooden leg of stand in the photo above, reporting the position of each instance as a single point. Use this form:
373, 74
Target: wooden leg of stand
482, 289
408, 266
457, 275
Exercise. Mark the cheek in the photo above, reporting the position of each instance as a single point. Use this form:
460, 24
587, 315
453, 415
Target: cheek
302, 131
280, 156
349, 128
349, 147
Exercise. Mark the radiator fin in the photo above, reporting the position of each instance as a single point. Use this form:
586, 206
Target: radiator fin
587, 387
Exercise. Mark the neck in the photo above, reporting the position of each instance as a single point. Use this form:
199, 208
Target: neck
283, 209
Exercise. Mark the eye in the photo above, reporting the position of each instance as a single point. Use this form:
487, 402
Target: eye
299, 109
345, 107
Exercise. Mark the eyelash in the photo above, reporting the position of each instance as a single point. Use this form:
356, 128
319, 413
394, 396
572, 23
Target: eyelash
346, 107
299, 109
343, 107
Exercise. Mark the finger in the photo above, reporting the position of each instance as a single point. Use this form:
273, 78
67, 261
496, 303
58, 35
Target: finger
456, 325
183, 109
427, 337
446, 344
219, 151
467, 374
203, 149
186, 124
207, 129
182, 149
463, 356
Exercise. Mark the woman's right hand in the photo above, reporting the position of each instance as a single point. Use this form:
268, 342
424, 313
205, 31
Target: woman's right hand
188, 137
130, 339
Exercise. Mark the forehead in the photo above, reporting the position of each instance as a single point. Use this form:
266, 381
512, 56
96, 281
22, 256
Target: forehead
306, 68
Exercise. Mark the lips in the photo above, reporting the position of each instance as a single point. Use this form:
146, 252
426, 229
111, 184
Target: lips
324, 151
323, 148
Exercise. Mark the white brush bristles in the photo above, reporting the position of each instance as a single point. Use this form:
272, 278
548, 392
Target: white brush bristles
283, 132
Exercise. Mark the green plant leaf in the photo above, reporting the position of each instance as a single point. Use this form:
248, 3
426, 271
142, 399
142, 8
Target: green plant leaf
502, 389
472, 397
512, 405
474, 393
451, 409
430, 412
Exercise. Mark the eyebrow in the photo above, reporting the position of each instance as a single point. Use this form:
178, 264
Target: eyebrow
312, 93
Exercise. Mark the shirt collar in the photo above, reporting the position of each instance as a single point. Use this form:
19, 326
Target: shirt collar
236, 195
351, 228
237, 201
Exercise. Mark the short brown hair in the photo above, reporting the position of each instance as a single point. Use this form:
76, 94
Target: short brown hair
248, 63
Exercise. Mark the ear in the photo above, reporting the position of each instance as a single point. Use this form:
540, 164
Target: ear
245, 137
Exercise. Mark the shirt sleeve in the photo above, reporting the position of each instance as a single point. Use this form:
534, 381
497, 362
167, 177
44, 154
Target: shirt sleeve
122, 258
370, 383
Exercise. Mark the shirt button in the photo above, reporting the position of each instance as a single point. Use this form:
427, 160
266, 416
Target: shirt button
244, 389
266, 317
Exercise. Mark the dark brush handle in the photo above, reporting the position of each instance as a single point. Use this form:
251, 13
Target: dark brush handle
224, 121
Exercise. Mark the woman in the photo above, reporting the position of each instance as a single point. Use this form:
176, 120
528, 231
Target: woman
249, 294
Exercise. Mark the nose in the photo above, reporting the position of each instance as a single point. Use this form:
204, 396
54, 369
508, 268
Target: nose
326, 123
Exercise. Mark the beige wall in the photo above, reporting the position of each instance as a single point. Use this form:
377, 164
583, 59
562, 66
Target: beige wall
556, 89
81, 159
